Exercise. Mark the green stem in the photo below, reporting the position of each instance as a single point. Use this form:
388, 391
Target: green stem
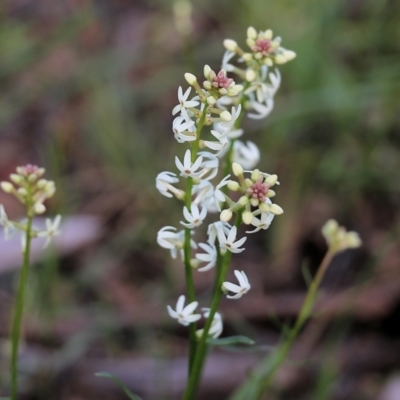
201, 350
187, 249
18, 312
259, 383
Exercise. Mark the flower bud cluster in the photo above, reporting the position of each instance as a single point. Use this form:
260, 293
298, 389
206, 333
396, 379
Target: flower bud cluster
28, 186
260, 84
209, 121
338, 238
256, 192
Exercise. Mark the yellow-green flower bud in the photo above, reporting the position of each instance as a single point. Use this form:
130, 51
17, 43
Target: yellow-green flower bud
247, 217
230, 45
225, 215
7, 187
190, 78
275, 209
233, 185
237, 169
226, 116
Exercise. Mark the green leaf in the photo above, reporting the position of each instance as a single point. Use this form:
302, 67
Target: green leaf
119, 383
229, 341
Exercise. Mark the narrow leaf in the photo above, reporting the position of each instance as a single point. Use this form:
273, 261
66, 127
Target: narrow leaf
119, 383
229, 341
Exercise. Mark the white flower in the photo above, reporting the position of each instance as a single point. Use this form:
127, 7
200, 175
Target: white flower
247, 155
51, 229
184, 315
218, 146
239, 290
263, 223
210, 256
184, 131
188, 168
194, 216
227, 242
209, 165
164, 182
7, 224
261, 109
184, 103
212, 230
168, 238
228, 55
216, 327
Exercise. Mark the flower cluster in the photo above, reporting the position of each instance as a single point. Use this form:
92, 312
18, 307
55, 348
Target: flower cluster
209, 120
28, 186
338, 238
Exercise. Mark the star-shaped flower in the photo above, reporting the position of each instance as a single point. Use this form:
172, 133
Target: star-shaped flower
51, 229
210, 256
238, 290
184, 315
194, 216
184, 103
7, 224
263, 223
188, 168
227, 242
216, 327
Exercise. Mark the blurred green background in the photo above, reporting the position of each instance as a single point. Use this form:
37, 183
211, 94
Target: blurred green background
87, 89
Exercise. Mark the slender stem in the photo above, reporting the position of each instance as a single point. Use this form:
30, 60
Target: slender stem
201, 350
187, 249
18, 311
305, 312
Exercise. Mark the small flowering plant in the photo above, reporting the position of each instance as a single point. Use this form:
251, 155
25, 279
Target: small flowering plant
32, 190
217, 176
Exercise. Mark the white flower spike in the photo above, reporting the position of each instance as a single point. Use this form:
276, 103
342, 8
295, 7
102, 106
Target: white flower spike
238, 290
184, 315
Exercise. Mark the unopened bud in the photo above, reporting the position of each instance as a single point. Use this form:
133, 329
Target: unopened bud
264, 207
190, 78
251, 33
226, 116
256, 175
280, 59
206, 71
243, 200
247, 217
225, 215
275, 209
230, 45
250, 75
7, 187
271, 179
237, 169
233, 185
22, 191
39, 208
16, 178
211, 100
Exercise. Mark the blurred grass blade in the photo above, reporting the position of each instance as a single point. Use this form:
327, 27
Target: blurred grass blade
229, 341
119, 383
